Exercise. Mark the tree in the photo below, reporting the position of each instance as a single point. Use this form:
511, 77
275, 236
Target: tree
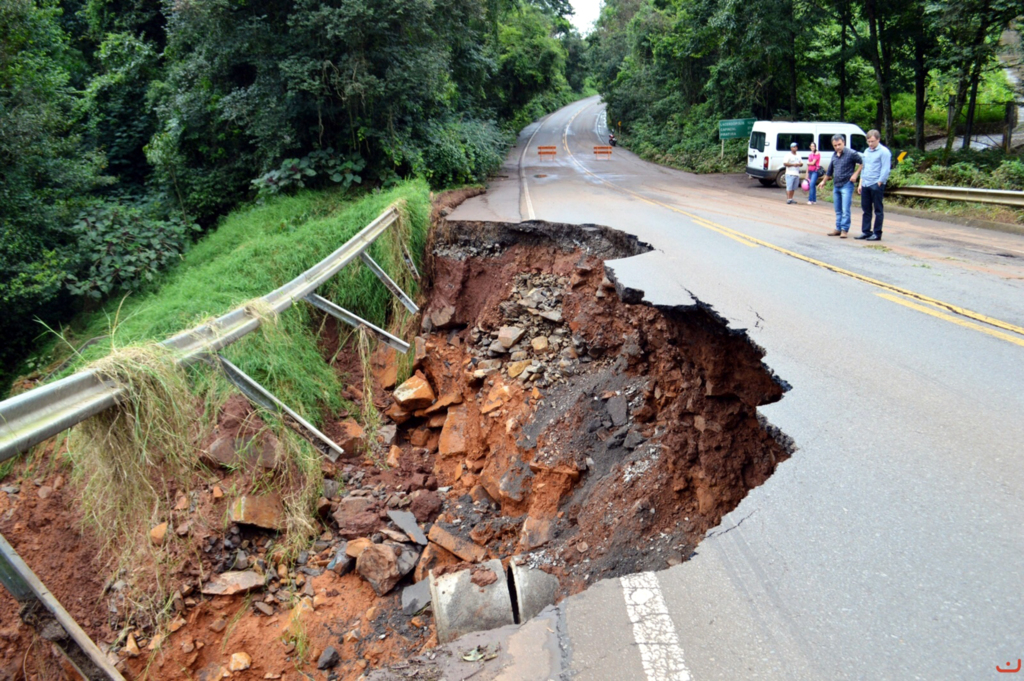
44, 172
967, 32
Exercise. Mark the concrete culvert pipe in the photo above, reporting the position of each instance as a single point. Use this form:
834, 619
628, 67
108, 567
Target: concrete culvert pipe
533, 589
475, 599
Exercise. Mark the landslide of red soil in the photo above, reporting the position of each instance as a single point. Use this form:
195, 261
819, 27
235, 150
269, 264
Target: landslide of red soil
607, 439
40, 522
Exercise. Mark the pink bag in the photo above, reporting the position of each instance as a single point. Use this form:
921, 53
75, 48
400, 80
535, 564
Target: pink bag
805, 185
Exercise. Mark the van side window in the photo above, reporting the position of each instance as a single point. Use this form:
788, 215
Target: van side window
803, 140
858, 142
825, 141
757, 141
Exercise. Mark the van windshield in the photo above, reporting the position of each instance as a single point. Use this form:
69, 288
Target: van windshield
858, 142
803, 140
757, 141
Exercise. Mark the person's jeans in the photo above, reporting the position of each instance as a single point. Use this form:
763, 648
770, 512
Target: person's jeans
871, 202
812, 177
842, 198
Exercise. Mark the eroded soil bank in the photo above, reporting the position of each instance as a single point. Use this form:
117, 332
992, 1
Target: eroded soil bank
546, 418
612, 435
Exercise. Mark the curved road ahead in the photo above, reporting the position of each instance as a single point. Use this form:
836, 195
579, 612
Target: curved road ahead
891, 545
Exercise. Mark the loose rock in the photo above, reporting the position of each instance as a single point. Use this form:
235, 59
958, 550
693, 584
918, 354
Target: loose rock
230, 583
157, 534
466, 550
265, 510
414, 394
240, 662
378, 565
328, 659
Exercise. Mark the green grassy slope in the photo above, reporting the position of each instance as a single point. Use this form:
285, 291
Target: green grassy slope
255, 250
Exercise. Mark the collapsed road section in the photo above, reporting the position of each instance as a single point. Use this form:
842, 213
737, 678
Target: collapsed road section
598, 436
553, 430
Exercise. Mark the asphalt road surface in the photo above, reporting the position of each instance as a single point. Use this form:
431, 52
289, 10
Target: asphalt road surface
891, 545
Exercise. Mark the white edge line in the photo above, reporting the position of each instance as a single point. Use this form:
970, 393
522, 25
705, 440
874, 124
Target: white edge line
522, 172
655, 635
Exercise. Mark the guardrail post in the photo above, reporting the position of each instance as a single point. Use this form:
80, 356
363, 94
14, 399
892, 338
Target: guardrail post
263, 397
41, 611
356, 321
392, 286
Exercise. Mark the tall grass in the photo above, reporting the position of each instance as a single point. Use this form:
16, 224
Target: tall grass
256, 250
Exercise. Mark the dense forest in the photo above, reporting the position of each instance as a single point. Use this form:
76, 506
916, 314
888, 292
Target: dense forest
670, 69
128, 127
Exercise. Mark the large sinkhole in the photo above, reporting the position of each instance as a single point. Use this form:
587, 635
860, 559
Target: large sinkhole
571, 428
602, 436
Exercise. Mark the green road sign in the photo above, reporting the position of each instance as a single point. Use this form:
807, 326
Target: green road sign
735, 128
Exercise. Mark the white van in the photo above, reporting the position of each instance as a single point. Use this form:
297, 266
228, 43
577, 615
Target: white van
770, 140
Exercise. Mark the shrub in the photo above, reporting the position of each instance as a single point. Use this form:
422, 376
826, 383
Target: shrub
460, 151
1009, 175
315, 169
123, 248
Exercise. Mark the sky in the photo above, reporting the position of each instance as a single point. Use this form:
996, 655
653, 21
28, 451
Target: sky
587, 12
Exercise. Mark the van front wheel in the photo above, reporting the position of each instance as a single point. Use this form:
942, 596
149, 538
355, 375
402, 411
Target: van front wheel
780, 179
766, 181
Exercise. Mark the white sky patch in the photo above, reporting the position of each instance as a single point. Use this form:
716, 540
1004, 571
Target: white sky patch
586, 14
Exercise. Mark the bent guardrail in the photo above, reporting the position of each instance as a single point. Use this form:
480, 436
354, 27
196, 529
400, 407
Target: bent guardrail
34, 416
1001, 197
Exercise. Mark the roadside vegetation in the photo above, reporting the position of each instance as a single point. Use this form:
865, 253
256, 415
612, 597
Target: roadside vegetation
130, 129
670, 71
133, 463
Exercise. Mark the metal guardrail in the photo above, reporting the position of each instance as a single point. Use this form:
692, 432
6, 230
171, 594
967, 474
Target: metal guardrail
30, 418
999, 197
34, 416
50, 619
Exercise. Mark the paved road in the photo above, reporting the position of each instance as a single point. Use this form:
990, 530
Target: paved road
891, 545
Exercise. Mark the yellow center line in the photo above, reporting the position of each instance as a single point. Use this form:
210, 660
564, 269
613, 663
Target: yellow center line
954, 320
712, 226
740, 236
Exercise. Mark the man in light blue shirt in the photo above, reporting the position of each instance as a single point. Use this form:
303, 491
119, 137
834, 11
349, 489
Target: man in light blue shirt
873, 176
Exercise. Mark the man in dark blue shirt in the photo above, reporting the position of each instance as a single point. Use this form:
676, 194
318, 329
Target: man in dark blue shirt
843, 170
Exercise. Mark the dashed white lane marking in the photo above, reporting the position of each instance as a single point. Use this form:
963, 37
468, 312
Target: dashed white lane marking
655, 635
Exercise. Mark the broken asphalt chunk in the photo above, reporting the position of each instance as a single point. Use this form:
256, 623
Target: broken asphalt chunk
406, 522
415, 597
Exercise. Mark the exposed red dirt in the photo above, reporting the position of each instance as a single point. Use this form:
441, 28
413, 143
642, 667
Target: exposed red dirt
569, 423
